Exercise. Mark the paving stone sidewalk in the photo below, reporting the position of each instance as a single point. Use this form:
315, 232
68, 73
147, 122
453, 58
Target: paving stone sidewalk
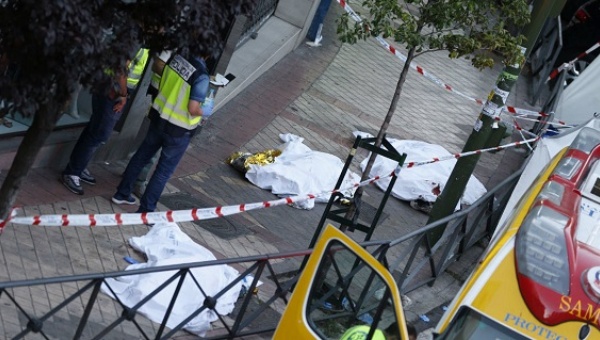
321, 94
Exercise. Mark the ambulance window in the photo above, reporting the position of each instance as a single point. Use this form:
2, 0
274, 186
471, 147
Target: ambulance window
596, 188
471, 325
347, 298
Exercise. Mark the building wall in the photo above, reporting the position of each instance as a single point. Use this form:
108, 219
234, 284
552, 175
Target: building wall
280, 35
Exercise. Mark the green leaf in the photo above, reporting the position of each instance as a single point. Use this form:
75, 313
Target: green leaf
463, 27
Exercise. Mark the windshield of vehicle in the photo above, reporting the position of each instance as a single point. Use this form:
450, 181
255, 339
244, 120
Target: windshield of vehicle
469, 324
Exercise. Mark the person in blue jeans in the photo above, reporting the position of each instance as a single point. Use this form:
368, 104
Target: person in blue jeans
313, 33
107, 109
106, 112
175, 115
158, 66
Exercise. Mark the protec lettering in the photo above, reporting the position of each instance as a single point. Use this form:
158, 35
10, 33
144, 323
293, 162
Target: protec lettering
527, 326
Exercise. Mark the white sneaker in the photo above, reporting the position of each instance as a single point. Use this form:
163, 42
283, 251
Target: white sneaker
72, 183
315, 43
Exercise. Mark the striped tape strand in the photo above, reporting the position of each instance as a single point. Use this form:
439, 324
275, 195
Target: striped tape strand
198, 214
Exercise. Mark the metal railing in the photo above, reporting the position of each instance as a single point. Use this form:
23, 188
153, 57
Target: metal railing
84, 313
543, 56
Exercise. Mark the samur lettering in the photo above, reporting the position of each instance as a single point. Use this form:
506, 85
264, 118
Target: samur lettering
527, 326
584, 311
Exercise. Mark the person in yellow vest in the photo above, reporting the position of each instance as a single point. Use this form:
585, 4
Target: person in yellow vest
158, 65
360, 332
175, 115
136, 69
107, 107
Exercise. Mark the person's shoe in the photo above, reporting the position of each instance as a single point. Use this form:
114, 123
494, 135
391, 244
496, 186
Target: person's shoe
72, 183
422, 205
128, 200
315, 43
86, 177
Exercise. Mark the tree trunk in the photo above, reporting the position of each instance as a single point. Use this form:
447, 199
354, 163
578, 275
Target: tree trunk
382, 131
43, 124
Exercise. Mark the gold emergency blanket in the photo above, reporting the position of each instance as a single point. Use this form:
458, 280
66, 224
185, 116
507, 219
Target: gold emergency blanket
242, 160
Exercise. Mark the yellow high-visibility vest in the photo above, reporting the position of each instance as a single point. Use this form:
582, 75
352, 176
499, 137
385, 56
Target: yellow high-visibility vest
361, 332
174, 94
136, 68
155, 79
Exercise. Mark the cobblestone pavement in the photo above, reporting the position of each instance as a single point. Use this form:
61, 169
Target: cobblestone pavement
321, 94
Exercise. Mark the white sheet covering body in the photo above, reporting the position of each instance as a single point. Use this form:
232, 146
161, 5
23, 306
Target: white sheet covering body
420, 182
165, 244
301, 171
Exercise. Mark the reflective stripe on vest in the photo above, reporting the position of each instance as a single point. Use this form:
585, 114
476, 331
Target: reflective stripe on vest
136, 68
174, 94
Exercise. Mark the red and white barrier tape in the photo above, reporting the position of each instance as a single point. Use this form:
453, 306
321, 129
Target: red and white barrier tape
402, 57
426, 74
523, 112
430, 76
470, 153
517, 126
350, 11
570, 64
553, 121
522, 132
119, 219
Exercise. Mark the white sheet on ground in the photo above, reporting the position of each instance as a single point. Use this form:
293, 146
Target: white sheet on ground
301, 171
165, 244
419, 182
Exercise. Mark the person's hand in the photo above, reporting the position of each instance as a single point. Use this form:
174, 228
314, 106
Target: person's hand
207, 108
207, 112
120, 104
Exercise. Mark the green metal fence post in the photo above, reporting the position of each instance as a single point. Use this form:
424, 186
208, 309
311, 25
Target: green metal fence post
483, 128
